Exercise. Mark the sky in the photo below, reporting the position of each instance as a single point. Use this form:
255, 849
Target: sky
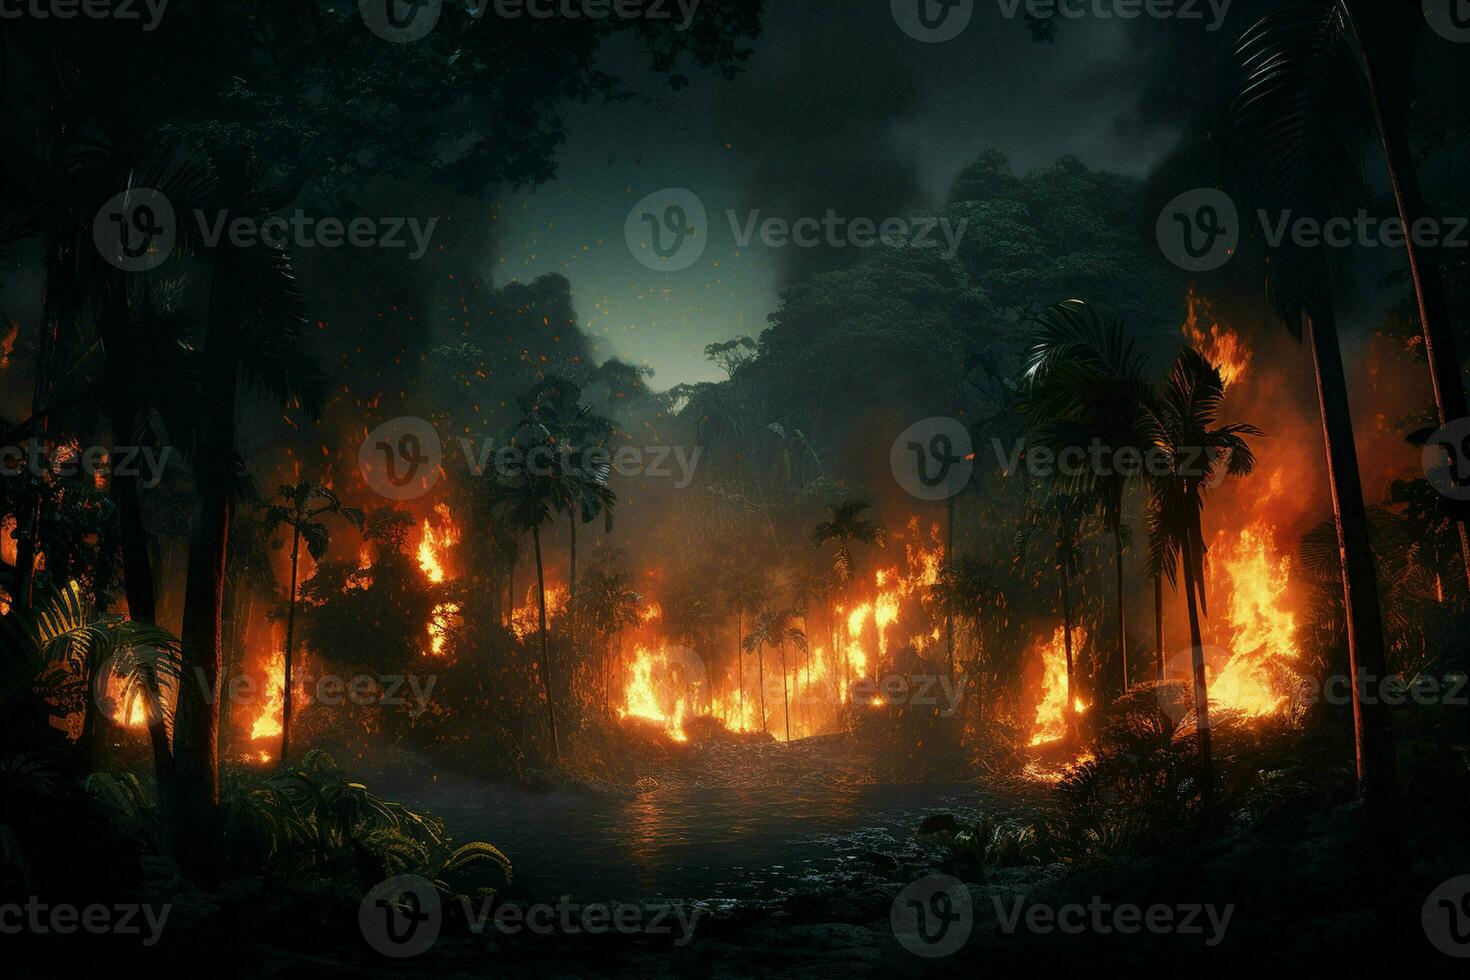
838, 108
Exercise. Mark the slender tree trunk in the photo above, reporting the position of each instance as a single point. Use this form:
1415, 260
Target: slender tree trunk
785, 694
572, 587
949, 564
1429, 289
545, 650
1201, 682
1067, 645
1122, 616
761, 660
196, 823
740, 665
1159, 622
1366, 656
290, 645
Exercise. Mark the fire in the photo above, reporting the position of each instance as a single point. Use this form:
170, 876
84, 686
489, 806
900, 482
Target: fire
1253, 581
645, 698
1051, 718
1220, 345
525, 620
881, 609
433, 546
7, 344
267, 724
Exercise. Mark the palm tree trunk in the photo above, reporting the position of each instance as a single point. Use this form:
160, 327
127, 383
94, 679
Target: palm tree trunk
785, 694
1159, 622
545, 651
1201, 689
949, 563
1122, 617
1373, 738
572, 587
1067, 644
1429, 288
761, 659
290, 637
740, 666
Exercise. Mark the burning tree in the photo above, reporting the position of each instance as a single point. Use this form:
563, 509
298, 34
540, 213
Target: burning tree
1180, 420
300, 506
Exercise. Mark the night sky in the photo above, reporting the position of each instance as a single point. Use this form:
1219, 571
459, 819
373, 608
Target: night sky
838, 109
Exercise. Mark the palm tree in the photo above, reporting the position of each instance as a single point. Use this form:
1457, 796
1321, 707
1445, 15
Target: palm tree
774, 628
1082, 387
526, 501
966, 592
1292, 142
300, 506
1367, 48
1181, 425
845, 527
555, 403
609, 602
64, 638
1063, 516
744, 595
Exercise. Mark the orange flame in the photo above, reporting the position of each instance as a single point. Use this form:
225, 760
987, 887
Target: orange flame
1051, 719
